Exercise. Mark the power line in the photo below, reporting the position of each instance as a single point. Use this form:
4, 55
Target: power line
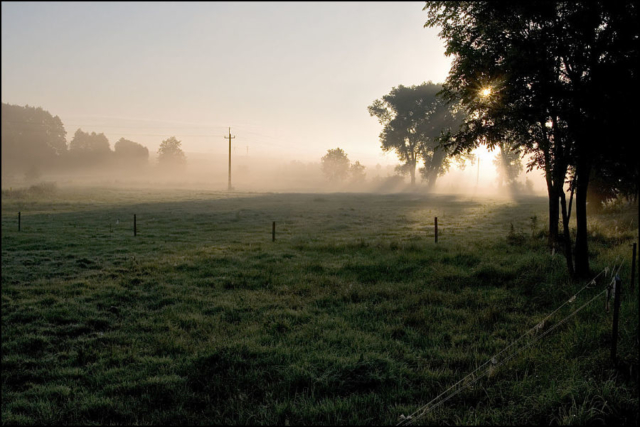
166, 135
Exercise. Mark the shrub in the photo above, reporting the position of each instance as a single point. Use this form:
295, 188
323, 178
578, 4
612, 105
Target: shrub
43, 188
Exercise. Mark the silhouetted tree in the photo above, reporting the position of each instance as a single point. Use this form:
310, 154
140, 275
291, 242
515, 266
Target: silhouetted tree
32, 139
558, 73
170, 154
499, 110
335, 165
415, 122
89, 149
130, 153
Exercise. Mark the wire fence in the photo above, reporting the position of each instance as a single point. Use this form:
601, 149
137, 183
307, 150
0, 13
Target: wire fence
517, 346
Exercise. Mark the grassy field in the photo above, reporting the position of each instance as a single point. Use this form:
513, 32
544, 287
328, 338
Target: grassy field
352, 316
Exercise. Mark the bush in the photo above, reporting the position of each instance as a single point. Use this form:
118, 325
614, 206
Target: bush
43, 188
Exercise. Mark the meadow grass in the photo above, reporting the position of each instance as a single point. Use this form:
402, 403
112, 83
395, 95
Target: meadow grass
352, 316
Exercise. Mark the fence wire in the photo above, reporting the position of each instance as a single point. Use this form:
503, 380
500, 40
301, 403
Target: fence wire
496, 361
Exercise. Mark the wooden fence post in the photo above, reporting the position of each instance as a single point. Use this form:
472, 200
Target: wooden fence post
135, 228
633, 268
19, 219
436, 228
616, 314
273, 232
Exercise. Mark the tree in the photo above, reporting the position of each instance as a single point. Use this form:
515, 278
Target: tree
415, 122
508, 164
503, 106
356, 170
130, 153
89, 149
554, 75
170, 154
335, 165
32, 139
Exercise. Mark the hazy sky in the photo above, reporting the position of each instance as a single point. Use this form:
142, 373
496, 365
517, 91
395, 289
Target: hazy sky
291, 79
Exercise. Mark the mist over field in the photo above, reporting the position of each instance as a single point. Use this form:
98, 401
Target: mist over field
274, 175
250, 173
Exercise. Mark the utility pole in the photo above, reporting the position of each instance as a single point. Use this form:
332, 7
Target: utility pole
230, 138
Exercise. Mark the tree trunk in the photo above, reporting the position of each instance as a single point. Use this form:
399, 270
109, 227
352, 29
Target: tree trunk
566, 234
554, 213
431, 180
583, 169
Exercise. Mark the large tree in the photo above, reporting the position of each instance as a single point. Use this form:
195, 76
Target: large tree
32, 139
554, 75
415, 122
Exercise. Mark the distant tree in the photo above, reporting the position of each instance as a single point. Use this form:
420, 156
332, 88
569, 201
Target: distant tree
32, 139
356, 170
170, 154
508, 163
89, 149
335, 165
416, 121
130, 153
403, 169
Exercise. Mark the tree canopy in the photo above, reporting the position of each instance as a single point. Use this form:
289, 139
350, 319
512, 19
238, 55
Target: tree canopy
89, 149
357, 173
170, 153
335, 165
130, 153
549, 77
415, 121
31, 138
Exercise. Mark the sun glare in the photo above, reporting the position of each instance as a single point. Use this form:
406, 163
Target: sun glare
484, 155
485, 92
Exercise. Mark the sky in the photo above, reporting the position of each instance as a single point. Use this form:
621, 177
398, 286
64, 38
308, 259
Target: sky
291, 79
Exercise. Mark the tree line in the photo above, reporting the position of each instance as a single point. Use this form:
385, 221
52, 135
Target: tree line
34, 142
